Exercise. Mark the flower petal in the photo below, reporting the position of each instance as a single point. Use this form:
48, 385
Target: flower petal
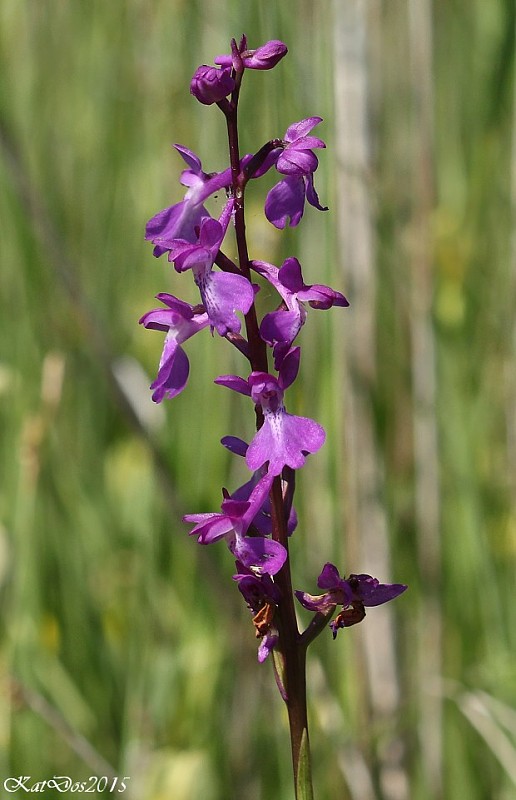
210, 529
321, 602
263, 556
235, 383
233, 443
290, 275
266, 56
373, 593
311, 194
173, 372
286, 200
223, 294
266, 646
301, 128
322, 297
192, 160
329, 577
289, 368
280, 326
296, 161
176, 222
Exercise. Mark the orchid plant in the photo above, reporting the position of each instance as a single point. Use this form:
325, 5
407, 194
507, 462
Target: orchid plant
257, 519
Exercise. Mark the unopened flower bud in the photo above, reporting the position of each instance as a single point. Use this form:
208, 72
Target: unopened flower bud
264, 57
210, 85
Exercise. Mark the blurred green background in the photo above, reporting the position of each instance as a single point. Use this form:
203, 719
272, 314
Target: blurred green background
125, 648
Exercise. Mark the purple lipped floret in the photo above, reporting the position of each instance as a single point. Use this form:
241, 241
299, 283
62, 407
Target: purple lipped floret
284, 439
259, 554
182, 220
263, 520
280, 328
222, 293
353, 593
286, 200
179, 322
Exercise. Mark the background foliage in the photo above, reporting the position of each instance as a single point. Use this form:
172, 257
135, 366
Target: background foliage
125, 648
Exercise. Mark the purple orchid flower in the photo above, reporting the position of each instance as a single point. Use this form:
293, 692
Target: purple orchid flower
264, 57
280, 328
297, 157
284, 439
222, 293
297, 161
210, 85
262, 597
263, 520
259, 554
182, 220
180, 322
352, 594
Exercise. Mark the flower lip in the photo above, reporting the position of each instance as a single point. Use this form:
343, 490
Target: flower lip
284, 440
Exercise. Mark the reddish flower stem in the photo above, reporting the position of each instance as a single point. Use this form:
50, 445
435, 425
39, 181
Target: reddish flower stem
257, 347
291, 647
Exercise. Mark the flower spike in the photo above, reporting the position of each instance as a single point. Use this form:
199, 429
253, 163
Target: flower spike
257, 519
